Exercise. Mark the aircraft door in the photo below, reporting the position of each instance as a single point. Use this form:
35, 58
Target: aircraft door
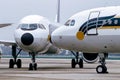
92, 23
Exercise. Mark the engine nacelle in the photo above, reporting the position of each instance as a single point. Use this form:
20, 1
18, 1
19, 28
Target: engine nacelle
90, 57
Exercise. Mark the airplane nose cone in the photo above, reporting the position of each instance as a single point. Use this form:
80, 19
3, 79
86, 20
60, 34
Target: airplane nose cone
27, 39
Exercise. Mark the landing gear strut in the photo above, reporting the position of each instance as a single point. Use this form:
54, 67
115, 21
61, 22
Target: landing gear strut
33, 65
102, 68
76, 60
14, 61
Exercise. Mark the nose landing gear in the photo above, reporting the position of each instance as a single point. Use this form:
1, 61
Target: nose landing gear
33, 65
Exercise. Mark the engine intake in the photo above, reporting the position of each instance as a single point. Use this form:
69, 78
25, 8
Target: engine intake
90, 57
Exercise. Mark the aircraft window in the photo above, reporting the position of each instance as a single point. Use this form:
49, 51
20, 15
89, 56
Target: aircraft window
24, 26
116, 22
32, 26
70, 23
28, 26
67, 23
41, 26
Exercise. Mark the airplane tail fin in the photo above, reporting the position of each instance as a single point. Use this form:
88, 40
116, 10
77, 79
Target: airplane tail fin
55, 25
57, 18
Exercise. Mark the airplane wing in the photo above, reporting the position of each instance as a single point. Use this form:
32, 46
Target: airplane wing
4, 25
7, 43
7, 34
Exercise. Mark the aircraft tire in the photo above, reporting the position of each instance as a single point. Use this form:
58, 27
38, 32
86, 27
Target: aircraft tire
73, 63
30, 66
19, 63
101, 69
11, 63
80, 63
35, 66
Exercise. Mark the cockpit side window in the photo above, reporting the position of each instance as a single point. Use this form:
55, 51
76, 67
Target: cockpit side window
70, 23
41, 26
67, 23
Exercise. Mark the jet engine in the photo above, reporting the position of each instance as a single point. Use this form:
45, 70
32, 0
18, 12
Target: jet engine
90, 57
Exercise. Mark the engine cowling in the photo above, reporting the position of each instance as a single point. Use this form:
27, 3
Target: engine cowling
90, 57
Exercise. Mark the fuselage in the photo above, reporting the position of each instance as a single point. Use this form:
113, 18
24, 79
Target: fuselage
94, 31
32, 34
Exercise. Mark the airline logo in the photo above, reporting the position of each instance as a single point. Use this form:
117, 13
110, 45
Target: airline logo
100, 22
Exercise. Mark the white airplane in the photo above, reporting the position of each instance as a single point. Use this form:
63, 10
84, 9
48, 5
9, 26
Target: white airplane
31, 35
95, 32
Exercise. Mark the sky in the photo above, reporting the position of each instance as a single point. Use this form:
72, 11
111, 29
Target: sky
11, 11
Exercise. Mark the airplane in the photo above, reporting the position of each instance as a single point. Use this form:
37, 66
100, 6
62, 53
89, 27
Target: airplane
31, 35
94, 31
21, 38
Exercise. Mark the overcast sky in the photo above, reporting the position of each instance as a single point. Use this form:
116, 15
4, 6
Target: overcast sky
14, 10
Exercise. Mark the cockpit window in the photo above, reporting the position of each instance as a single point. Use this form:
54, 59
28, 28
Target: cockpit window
28, 26
23, 26
32, 26
67, 23
70, 23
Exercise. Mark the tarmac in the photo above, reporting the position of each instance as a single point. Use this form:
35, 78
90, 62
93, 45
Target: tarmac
58, 69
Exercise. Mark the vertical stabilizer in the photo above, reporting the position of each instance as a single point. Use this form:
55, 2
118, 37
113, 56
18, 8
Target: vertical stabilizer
52, 27
57, 19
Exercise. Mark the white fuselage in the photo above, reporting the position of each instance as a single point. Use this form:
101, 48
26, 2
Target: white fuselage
99, 31
32, 34
40, 40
